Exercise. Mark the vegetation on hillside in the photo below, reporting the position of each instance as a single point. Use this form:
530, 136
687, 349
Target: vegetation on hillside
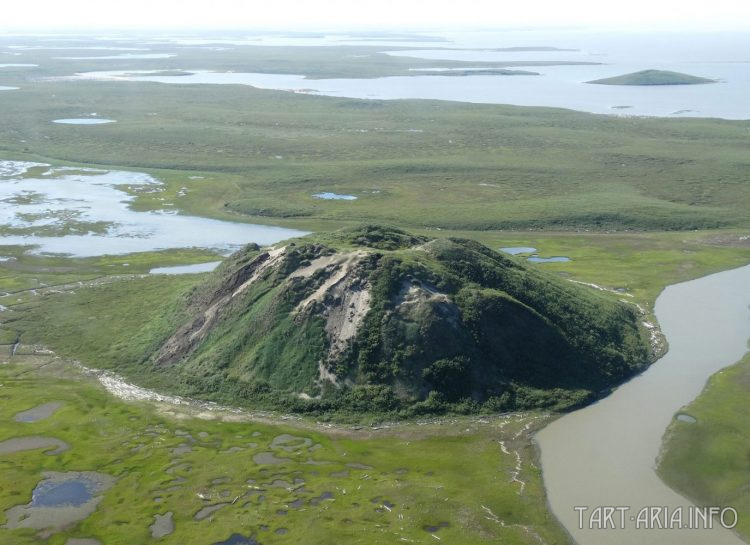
374, 319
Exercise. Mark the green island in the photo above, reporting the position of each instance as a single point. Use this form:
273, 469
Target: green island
653, 77
407, 448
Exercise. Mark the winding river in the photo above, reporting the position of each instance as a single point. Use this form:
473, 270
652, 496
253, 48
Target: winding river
605, 454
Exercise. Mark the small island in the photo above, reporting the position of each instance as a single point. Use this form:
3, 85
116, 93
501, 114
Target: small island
653, 77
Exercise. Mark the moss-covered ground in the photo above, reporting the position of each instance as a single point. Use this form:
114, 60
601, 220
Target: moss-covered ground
463, 480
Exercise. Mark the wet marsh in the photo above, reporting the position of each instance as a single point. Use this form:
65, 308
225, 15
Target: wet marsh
241, 480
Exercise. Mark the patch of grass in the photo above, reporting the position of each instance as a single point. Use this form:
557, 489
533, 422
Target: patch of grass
641, 265
709, 460
24, 271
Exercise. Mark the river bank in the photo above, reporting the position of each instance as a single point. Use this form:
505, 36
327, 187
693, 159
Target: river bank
617, 440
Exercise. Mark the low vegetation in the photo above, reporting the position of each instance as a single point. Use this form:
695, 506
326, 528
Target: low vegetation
709, 460
255, 155
365, 320
275, 483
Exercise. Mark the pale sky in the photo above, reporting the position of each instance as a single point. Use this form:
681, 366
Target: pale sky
352, 14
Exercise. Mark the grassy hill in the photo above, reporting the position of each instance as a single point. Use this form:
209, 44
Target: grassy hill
372, 319
653, 77
361, 320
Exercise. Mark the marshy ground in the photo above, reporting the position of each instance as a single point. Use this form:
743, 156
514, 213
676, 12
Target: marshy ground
171, 471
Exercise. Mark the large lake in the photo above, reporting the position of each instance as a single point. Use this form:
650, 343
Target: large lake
605, 454
720, 56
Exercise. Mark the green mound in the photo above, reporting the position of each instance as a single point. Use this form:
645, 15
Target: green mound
374, 319
653, 77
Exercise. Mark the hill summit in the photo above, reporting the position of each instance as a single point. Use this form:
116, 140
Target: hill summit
374, 319
654, 77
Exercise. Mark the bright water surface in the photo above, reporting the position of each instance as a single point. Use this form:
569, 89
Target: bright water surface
83, 121
716, 56
86, 212
187, 269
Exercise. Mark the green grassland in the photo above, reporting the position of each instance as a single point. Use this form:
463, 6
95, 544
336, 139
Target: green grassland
117, 317
636, 203
709, 460
441, 472
522, 337
418, 164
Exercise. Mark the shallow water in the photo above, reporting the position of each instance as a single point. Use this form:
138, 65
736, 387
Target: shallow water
55, 494
124, 56
605, 454
85, 212
60, 499
50, 445
515, 250
74, 47
290, 39
187, 269
84, 121
334, 197
269, 458
238, 539
38, 413
290, 443
207, 511
555, 86
553, 259
686, 418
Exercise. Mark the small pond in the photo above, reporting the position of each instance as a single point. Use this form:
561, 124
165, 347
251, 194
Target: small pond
51, 494
60, 499
37, 413
84, 121
554, 259
186, 269
238, 539
334, 197
516, 250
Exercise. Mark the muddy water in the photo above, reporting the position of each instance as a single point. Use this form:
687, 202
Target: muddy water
604, 455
